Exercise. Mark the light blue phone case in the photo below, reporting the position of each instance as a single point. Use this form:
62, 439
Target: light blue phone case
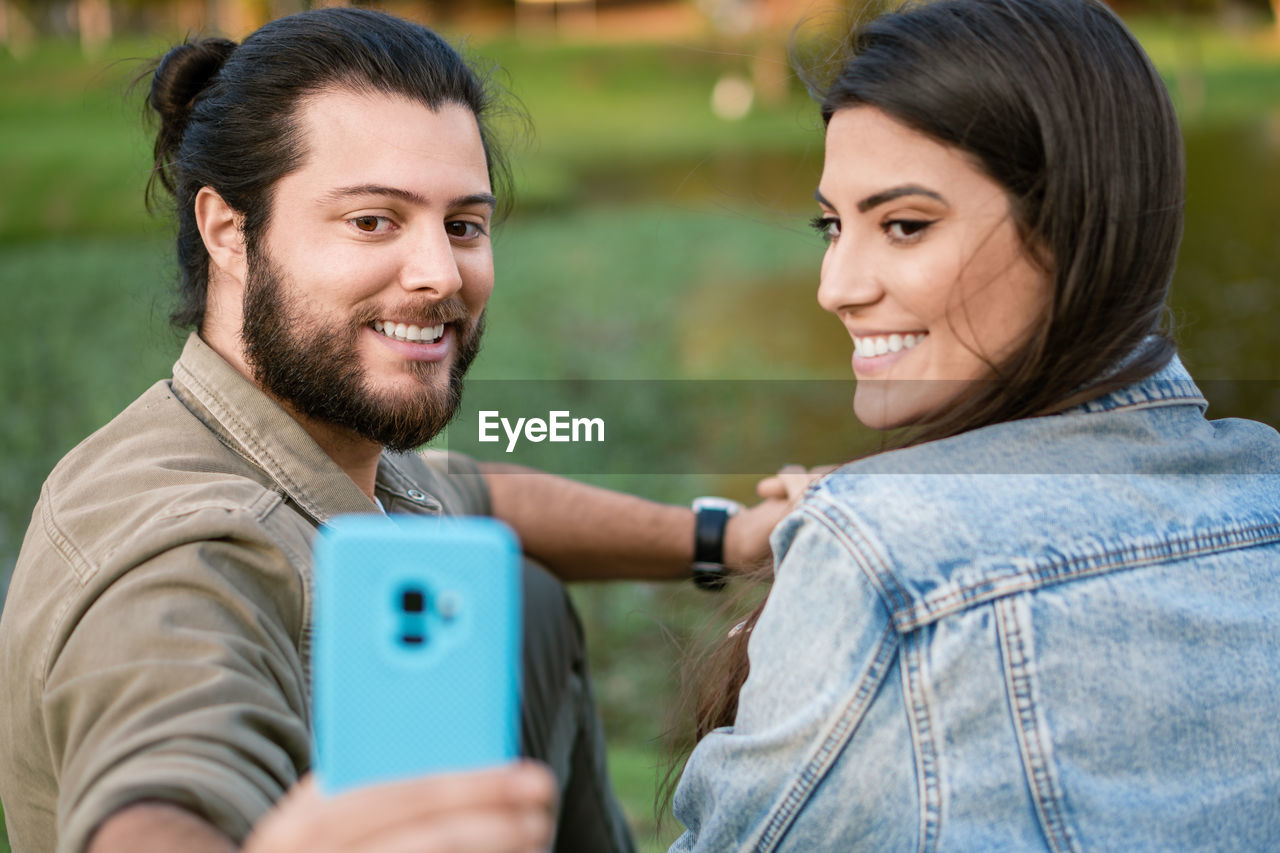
416, 648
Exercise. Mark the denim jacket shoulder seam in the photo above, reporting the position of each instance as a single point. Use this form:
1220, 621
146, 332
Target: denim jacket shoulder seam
856, 542
836, 737
1060, 569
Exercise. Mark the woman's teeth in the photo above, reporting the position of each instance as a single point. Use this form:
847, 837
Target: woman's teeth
412, 334
881, 344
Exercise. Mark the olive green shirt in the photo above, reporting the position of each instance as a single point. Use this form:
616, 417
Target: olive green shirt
154, 644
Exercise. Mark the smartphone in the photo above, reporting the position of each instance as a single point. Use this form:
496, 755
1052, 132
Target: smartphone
416, 648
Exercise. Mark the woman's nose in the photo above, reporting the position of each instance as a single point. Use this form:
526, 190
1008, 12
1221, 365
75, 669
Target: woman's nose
846, 281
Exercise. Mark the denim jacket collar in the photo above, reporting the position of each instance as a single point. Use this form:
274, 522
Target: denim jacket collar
1170, 386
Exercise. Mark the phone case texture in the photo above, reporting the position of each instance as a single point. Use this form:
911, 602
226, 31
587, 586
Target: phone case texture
416, 647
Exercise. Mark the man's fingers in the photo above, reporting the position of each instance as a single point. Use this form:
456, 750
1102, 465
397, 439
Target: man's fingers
483, 831
519, 785
373, 818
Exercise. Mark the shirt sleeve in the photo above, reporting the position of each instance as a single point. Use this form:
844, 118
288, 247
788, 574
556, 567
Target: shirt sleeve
183, 681
821, 656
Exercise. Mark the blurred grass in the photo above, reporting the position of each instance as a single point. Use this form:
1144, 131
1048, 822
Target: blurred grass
74, 156
633, 770
651, 239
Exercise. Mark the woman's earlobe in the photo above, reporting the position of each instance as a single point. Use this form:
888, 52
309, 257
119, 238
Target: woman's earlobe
221, 229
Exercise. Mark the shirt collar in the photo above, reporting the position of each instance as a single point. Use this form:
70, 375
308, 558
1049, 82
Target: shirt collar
254, 426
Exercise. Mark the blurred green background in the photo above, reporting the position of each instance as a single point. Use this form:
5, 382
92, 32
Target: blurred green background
654, 237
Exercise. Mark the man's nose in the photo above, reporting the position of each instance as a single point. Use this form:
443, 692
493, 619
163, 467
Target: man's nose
429, 265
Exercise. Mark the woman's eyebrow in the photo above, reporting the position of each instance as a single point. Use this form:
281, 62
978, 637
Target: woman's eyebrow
877, 199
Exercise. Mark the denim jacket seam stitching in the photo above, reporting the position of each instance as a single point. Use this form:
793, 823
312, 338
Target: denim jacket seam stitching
922, 744
833, 743
1139, 405
1089, 565
1037, 761
844, 529
1157, 391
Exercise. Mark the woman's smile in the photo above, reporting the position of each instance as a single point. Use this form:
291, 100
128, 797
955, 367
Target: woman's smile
924, 267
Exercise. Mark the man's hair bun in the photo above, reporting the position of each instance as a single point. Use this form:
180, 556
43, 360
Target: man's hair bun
179, 78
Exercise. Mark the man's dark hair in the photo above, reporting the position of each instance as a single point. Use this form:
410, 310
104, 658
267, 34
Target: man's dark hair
228, 113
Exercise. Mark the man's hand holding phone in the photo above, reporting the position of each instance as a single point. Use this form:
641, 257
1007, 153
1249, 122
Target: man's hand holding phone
507, 809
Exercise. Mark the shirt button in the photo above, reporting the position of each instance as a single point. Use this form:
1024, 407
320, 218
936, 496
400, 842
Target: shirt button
415, 495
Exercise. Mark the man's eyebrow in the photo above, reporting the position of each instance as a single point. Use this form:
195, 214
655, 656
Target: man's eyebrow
487, 199
409, 196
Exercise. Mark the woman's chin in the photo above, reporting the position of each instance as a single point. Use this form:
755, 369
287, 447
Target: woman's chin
876, 412
890, 404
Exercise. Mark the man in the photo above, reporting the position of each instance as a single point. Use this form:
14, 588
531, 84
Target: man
333, 180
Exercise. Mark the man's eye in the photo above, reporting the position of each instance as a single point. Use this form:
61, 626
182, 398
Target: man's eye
464, 229
370, 224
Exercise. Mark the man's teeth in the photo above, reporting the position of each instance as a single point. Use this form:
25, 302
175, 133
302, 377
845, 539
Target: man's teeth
881, 344
413, 334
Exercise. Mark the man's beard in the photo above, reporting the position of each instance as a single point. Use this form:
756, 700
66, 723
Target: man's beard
315, 367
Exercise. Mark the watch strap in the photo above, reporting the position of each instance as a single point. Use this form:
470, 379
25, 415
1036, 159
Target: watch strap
708, 548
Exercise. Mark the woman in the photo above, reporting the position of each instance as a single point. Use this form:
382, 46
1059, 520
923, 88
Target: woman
1050, 619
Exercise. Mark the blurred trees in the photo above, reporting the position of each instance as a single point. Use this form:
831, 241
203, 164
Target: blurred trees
95, 21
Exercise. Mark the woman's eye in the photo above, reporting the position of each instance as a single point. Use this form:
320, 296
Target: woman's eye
903, 230
371, 224
464, 229
828, 227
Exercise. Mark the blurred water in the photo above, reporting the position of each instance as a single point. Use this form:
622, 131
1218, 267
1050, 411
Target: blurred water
1223, 298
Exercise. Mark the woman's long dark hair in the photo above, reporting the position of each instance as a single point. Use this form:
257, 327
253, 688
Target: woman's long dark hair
1055, 101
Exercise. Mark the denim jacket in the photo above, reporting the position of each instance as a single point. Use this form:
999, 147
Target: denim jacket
1059, 633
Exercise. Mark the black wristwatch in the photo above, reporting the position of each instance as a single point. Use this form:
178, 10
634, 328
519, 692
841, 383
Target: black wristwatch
711, 516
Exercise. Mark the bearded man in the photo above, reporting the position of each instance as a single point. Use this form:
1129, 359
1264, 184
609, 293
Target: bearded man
334, 179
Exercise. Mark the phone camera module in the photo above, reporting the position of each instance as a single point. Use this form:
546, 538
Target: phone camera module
413, 601
411, 620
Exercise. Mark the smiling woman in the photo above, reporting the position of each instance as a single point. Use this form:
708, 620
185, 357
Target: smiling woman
1054, 603
926, 267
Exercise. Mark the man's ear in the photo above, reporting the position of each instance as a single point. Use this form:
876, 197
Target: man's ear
223, 238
